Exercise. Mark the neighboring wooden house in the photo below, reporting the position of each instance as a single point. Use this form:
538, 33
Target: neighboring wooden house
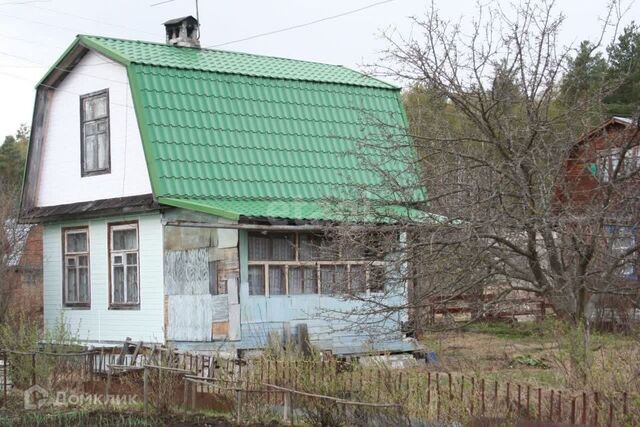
180, 190
23, 278
611, 150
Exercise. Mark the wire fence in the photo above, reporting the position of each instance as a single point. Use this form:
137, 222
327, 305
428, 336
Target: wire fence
298, 389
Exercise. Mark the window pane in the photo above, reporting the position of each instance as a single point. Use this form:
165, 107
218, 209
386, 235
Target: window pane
76, 242
358, 279
72, 285
309, 247
256, 280
83, 285
90, 153
102, 151
377, 278
333, 278
95, 107
125, 239
90, 128
132, 259
132, 284
118, 284
276, 280
283, 247
310, 281
83, 261
295, 280
71, 261
258, 247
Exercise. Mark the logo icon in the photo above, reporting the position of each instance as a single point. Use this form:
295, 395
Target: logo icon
35, 397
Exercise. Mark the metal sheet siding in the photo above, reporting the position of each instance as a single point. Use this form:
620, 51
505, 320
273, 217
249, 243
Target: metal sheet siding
99, 323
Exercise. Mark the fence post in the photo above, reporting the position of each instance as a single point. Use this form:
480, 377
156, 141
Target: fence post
238, 406
573, 411
287, 405
5, 366
108, 385
145, 388
33, 368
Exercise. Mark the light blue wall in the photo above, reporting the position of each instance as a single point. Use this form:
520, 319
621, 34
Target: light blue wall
260, 315
99, 324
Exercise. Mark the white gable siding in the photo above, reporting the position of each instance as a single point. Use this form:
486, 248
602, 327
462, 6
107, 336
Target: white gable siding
59, 181
99, 323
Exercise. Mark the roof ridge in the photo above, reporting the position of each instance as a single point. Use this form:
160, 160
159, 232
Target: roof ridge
233, 52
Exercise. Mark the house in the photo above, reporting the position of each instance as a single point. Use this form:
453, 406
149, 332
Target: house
601, 180
23, 268
182, 194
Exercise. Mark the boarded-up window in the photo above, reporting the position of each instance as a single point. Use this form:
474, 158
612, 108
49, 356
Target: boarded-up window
76, 266
94, 133
217, 285
123, 255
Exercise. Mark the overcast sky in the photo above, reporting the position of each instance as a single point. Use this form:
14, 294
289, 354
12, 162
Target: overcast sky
33, 34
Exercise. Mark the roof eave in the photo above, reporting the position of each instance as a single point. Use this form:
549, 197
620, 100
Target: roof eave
70, 58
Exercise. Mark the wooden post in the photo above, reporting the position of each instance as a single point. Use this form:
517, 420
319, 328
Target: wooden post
428, 389
528, 399
560, 405
287, 405
4, 378
185, 394
610, 423
508, 397
482, 396
625, 408
539, 404
193, 395
108, 386
551, 406
145, 389
596, 406
519, 399
238, 406
584, 408
573, 411
473, 392
462, 389
450, 389
33, 368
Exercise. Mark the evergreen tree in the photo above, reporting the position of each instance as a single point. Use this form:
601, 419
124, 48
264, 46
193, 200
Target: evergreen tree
624, 69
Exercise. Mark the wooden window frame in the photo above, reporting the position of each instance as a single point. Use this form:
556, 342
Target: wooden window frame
316, 264
65, 254
107, 170
123, 225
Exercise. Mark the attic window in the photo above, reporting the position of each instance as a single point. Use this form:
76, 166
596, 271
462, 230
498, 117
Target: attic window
94, 133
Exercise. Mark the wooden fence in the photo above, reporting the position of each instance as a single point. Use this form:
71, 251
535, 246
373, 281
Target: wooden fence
421, 393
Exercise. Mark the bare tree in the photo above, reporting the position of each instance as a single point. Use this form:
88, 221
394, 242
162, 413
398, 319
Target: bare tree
487, 202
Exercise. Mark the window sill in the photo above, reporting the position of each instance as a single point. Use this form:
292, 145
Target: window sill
76, 307
95, 173
124, 307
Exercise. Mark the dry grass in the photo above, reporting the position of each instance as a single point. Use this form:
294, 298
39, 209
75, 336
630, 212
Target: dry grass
537, 354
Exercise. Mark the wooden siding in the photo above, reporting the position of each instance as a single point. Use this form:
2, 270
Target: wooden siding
57, 164
99, 323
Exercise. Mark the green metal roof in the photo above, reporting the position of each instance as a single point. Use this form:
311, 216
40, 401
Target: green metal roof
221, 61
243, 135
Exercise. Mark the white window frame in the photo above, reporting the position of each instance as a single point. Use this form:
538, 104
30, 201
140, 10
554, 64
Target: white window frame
66, 256
123, 254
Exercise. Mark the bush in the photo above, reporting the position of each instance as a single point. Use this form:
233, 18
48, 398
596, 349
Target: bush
22, 334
